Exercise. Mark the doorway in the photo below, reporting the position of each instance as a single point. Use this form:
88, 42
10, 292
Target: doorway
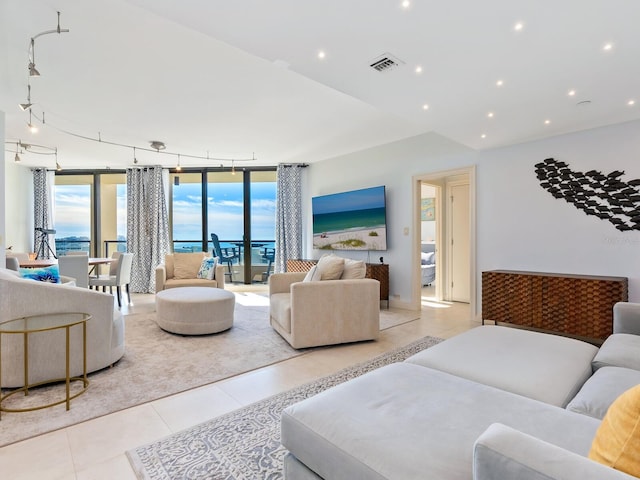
445, 224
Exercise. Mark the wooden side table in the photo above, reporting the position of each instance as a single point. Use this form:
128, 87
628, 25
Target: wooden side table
40, 324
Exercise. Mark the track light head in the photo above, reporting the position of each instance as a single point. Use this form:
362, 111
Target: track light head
25, 106
58, 167
33, 71
17, 157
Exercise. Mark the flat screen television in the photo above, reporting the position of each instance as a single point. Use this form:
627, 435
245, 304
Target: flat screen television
353, 220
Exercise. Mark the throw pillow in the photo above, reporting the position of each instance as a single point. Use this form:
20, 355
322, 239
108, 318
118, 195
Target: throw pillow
330, 267
187, 265
427, 258
354, 269
212, 272
312, 275
617, 441
47, 274
207, 266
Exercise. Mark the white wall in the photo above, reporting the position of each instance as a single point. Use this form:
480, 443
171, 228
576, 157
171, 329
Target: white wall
19, 212
519, 225
16, 211
391, 165
522, 227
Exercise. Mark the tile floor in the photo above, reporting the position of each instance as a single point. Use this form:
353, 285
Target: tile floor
96, 449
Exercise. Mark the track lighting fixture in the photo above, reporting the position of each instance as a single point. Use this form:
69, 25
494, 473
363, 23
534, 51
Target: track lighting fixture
135, 160
17, 157
233, 167
58, 167
26, 106
179, 168
33, 71
32, 126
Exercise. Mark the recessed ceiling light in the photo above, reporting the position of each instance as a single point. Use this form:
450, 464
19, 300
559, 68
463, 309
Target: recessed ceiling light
499, 83
405, 4
631, 102
321, 54
518, 26
483, 135
418, 69
571, 93
425, 107
547, 122
607, 46
490, 114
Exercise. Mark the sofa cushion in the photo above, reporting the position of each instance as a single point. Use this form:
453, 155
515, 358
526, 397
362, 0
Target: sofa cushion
617, 441
280, 307
600, 391
405, 421
330, 267
354, 269
46, 274
190, 282
549, 368
187, 265
619, 350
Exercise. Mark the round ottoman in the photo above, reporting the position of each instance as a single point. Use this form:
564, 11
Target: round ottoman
195, 310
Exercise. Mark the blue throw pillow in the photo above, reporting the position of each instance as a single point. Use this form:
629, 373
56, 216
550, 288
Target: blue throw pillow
208, 268
47, 274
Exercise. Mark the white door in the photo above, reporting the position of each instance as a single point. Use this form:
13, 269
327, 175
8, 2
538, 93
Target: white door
460, 243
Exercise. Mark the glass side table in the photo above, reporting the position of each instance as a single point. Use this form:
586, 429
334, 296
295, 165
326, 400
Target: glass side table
39, 324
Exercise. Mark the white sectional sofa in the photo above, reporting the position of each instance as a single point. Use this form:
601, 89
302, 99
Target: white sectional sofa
492, 403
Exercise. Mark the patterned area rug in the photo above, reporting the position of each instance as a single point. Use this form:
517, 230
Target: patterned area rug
244, 444
157, 364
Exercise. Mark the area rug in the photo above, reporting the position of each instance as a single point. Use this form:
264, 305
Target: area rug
243, 444
157, 364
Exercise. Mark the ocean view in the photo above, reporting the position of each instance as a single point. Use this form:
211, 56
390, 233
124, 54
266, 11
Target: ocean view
350, 220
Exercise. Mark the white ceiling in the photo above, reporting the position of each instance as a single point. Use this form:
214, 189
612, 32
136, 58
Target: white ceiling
234, 79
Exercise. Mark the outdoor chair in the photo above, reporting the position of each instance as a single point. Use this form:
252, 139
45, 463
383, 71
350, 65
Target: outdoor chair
226, 255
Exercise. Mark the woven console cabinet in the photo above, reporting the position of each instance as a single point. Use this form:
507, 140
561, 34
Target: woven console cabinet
377, 271
575, 305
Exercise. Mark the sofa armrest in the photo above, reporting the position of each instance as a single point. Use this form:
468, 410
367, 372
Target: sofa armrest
281, 282
161, 277
626, 318
220, 275
502, 452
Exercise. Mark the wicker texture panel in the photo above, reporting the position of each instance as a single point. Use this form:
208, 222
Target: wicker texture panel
577, 305
300, 265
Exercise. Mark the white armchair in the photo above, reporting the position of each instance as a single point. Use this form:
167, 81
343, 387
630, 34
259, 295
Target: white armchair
327, 312
21, 297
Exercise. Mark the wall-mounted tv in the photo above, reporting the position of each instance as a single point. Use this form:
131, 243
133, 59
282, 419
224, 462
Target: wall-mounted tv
354, 220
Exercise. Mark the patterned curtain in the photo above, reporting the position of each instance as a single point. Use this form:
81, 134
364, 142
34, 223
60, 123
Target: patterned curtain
43, 182
147, 225
288, 214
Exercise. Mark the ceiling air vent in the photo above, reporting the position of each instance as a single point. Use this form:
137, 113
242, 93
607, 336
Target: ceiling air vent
385, 63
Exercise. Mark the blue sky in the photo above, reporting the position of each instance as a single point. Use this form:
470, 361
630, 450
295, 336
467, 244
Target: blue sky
225, 203
347, 201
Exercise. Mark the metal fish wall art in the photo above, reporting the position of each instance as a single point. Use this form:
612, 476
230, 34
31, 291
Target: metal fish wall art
605, 196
